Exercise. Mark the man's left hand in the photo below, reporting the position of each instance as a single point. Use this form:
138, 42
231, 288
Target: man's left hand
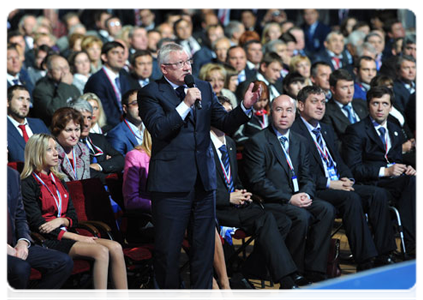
250, 97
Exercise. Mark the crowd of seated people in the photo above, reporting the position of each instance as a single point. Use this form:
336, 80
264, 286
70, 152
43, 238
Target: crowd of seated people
338, 85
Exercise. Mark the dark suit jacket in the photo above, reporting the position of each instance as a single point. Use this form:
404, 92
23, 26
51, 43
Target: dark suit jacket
364, 152
336, 118
324, 56
15, 141
267, 170
114, 164
16, 214
25, 80
317, 167
316, 43
121, 138
402, 95
100, 85
201, 57
183, 145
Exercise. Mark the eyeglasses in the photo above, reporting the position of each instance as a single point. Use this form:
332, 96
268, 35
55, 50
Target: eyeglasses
180, 64
113, 24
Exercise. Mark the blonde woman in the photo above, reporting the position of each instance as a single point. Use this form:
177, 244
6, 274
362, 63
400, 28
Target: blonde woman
271, 31
302, 65
99, 119
50, 212
92, 45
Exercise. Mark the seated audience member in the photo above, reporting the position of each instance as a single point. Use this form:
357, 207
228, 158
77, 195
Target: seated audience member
271, 158
39, 70
138, 39
335, 184
271, 32
320, 73
254, 51
372, 149
99, 120
300, 49
216, 75
183, 32
16, 73
292, 84
342, 110
220, 48
79, 63
353, 44
55, 90
333, 53
365, 71
269, 72
113, 26
74, 157
237, 58
75, 40
22, 254
111, 82
92, 45
376, 39
234, 208
104, 160
260, 118
233, 31
128, 133
231, 81
301, 64
41, 185
281, 49
19, 127
404, 84
315, 32
141, 67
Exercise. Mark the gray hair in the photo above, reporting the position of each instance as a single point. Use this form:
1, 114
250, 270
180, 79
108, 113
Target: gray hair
231, 28
165, 51
368, 46
356, 38
271, 46
81, 105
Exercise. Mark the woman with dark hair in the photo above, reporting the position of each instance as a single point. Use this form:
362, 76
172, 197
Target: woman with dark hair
50, 212
74, 158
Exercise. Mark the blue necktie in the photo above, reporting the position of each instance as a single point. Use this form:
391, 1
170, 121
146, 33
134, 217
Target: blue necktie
284, 142
15, 81
225, 161
319, 139
350, 113
382, 132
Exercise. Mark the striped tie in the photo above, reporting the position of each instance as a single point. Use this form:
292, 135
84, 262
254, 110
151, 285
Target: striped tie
382, 132
225, 161
350, 113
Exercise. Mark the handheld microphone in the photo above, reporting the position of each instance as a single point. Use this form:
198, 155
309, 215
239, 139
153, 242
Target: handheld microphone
189, 81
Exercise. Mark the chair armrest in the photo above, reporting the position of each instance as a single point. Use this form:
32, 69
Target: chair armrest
38, 238
102, 227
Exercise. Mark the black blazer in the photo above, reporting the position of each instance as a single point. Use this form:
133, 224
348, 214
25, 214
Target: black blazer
267, 171
402, 95
364, 152
317, 168
182, 148
336, 118
16, 214
324, 56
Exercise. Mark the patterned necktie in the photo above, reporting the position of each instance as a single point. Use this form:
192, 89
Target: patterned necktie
316, 132
319, 139
180, 91
350, 113
24, 133
337, 62
225, 161
382, 132
285, 144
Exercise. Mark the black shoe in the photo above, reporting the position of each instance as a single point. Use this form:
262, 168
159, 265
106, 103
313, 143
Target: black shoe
242, 286
384, 260
366, 265
287, 283
315, 276
300, 280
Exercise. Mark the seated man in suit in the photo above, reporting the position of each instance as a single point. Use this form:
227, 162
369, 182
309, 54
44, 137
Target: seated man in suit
365, 71
142, 67
104, 159
319, 76
342, 110
277, 168
22, 254
333, 53
111, 82
315, 32
405, 84
16, 72
128, 133
234, 208
372, 149
19, 127
269, 72
237, 58
335, 184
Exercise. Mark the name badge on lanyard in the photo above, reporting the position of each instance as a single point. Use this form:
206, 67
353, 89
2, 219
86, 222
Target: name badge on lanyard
293, 175
73, 167
330, 165
57, 200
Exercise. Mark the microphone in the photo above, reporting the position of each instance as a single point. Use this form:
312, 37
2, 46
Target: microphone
189, 81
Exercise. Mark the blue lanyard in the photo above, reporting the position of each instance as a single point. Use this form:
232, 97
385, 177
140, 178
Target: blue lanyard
57, 201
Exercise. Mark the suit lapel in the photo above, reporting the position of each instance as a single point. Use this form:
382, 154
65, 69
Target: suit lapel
394, 136
338, 114
13, 131
277, 150
371, 132
305, 133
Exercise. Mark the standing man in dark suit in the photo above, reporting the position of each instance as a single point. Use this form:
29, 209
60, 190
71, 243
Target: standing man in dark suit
315, 32
22, 254
342, 110
234, 208
335, 184
277, 168
182, 176
373, 150
19, 127
111, 82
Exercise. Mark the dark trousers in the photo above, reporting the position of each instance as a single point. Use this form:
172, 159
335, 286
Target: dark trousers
173, 214
54, 266
403, 196
271, 226
309, 238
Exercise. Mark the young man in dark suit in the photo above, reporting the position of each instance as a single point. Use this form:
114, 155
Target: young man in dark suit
111, 82
335, 184
342, 110
19, 127
373, 150
277, 168
182, 176
22, 254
